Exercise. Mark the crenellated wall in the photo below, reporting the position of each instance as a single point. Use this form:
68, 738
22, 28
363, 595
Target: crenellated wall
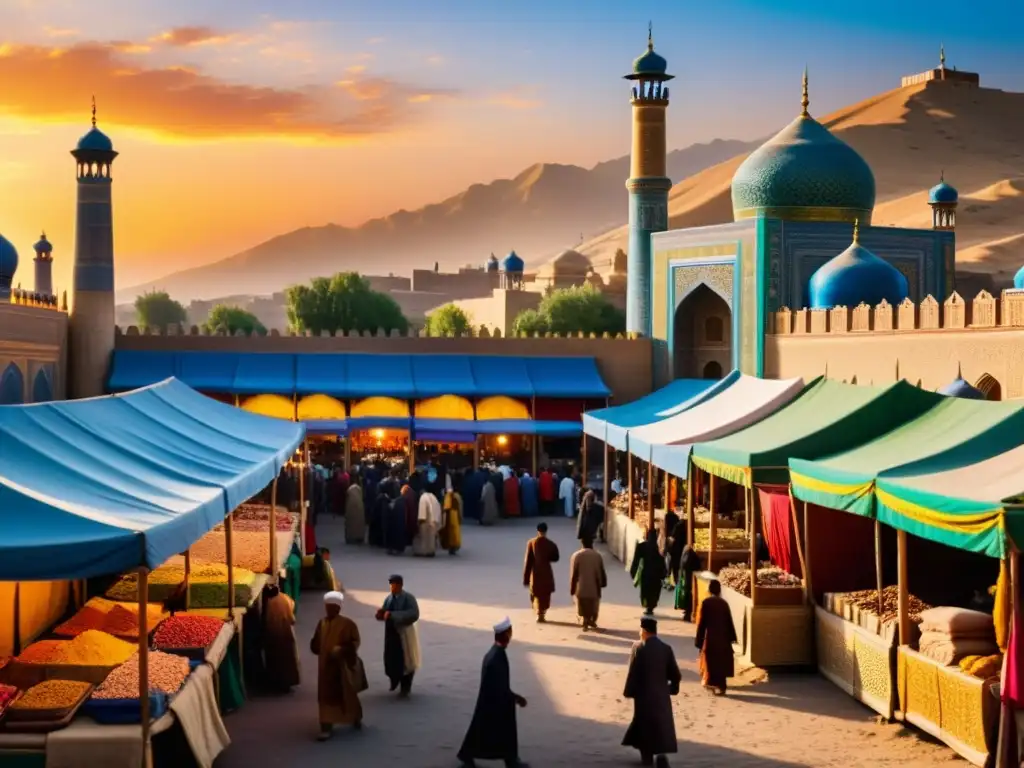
927, 342
624, 362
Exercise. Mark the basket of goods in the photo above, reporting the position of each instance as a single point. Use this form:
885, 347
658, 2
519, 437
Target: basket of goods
725, 539
8, 693
188, 635
47, 706
737, 577
116, 700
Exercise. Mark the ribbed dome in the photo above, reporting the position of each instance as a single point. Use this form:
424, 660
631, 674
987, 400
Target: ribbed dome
43, 246
960, 388
854, 276
8, 264
512, 263
96, 141
942, 193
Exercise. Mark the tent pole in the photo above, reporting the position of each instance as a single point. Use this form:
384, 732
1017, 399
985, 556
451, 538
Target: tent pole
476, 451
303, 469
713, 524
229, 556
879, 580
629, 488
807, 553
902, 586
275, 565
188, 577
533, 450
17, 617
605, 490
650, 496
583, 453
799, 541
147, 756
348, 450
751, 513
690, 472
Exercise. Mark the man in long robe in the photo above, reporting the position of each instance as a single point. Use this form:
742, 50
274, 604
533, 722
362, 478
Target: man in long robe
715, 636
280, 648
648, 571
492, 733
591, 516
538, 575
400, 613
395, 527
528, 493
410, 502
587, 578
567, 495
472, 487
428, 525
488, 504
355, 514
340, 673
451, 531
510, 495
547, 491
689, 564
651, 682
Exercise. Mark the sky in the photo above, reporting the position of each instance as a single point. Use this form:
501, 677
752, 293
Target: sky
239, 121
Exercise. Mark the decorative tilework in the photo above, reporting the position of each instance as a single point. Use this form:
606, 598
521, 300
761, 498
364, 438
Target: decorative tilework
718, 277
749, 287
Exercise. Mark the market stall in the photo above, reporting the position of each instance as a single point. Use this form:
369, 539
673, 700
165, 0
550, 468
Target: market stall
119, 485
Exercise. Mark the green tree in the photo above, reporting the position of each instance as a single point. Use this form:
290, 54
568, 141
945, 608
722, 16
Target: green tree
231, 319
450, 321
156, 309
344, 302
578, 309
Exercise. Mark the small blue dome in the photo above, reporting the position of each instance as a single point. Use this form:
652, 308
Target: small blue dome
942, 193
512, 263
8, 264
854, 276
1018, 279
650, 63
960, 388
492, 264
43, 246
96, 140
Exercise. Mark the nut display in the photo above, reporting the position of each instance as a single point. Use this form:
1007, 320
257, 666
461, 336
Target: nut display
737, 577
187, 631
91, 648
866, 601
51, 694
262, 512
167, 673
725, 538
262, 526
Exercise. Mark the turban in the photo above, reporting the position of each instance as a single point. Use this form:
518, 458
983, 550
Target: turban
334, 598
503, 626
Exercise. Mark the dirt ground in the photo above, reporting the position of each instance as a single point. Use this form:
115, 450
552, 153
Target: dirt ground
572, 680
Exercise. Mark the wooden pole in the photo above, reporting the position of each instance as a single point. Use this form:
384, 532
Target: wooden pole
476, 452
807, 554
902, 605
750, 510
605, 489
799, 542
629, 486
144, 663
713, 525
188, 578
275, 565
229, 555
691, 472
303, 469
879, 579
650, 496
533, 449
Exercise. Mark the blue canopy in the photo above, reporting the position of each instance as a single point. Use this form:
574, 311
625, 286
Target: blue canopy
496, 427
337, 427
105, 485
355, 376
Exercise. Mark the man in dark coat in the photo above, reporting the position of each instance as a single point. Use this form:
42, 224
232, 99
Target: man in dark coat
492, 734
653, 679
591, 516
538, 574
648, 571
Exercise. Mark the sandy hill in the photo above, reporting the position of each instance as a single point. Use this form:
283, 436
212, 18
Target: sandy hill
543, 210
908, 136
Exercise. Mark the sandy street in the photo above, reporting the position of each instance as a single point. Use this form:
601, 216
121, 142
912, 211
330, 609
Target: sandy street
572, 680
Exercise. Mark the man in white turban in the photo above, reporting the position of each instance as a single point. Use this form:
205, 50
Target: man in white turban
340, 673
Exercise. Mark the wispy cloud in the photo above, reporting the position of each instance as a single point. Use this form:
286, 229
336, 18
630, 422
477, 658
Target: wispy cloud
49, 84
187, 37
435, 60
375, 41
522, 97
60, 32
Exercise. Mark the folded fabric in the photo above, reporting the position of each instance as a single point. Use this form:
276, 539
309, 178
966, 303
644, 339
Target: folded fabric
946, 651
958, 622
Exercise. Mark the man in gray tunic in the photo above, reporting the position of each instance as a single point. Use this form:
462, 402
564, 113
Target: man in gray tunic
653, 679
400, 613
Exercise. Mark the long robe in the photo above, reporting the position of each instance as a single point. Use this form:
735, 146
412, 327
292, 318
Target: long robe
689, 563
472, 487
410, 502
492, 733
567, 495
528, 491
279, 645
355, 515
428, 517
451, 532
395, 526
510, 496
488, 505
648, 572
587, 578
653, 679
340, 677
715, 636
401, 640
538, 574
591, 517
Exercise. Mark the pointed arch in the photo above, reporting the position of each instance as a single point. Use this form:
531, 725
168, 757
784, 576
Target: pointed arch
12, 386
42, 388
989, 386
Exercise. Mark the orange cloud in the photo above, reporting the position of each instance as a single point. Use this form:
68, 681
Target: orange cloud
518, 98
186, 37
54, 85
60, 32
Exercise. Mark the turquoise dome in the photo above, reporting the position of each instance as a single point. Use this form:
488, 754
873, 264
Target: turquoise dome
650, 63
512, 263
8, 265
43, 246
856, 276
95, 140
942, 193
1018, 279
960, 388
804, 173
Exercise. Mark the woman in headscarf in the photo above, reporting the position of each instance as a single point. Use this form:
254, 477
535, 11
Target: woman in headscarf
648, 571
279, 645
451, 532
341, 676
355, 515
488, 505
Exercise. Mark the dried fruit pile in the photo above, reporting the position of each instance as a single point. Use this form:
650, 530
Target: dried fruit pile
92, 648
187, 632
167, 673
726, 538
737, 577
7, 694
261, 512
51, 694
866, 600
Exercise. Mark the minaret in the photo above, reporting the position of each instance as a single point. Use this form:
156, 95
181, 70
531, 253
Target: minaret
943, 199
91, 342
648, 184
44, 266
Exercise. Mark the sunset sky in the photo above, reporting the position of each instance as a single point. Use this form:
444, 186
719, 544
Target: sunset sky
238, 121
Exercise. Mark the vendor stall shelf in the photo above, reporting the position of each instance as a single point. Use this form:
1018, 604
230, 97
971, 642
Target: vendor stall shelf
859, 662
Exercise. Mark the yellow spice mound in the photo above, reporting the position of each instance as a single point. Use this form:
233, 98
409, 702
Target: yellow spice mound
95, 649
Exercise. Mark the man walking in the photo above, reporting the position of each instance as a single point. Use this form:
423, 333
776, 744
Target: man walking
400, 613
587, 578
538, 575
653, 679
492, 733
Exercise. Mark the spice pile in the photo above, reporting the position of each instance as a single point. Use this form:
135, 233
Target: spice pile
118, 621
261, 512
866, 601
51, 694
737, 577
187, 631
86, 619
92, 648
167, 673
7, 694
260, 526
982, 667
208, 584
250, 550
725, 538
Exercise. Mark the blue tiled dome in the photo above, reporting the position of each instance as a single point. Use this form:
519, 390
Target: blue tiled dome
1018, 279
960, 388
942, 193
650, 63
512, 263
96, 140
8, 264
491, 264
854, 276
43, 246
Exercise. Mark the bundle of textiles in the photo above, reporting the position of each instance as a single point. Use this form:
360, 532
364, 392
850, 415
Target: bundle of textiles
983, 667
951, 634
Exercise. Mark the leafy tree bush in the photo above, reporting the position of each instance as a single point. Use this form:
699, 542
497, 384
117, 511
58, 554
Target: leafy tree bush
572, 310
231, 319
156, 309
344, 302
450, 321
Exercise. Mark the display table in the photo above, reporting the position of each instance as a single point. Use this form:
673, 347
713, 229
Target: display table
621, 536
954, 707
860, 662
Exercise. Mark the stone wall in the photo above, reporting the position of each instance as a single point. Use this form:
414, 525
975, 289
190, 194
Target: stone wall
34, 339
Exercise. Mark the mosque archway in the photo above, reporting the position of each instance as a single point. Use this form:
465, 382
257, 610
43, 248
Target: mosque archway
702, 335
12, 386
42, 391
989, 386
